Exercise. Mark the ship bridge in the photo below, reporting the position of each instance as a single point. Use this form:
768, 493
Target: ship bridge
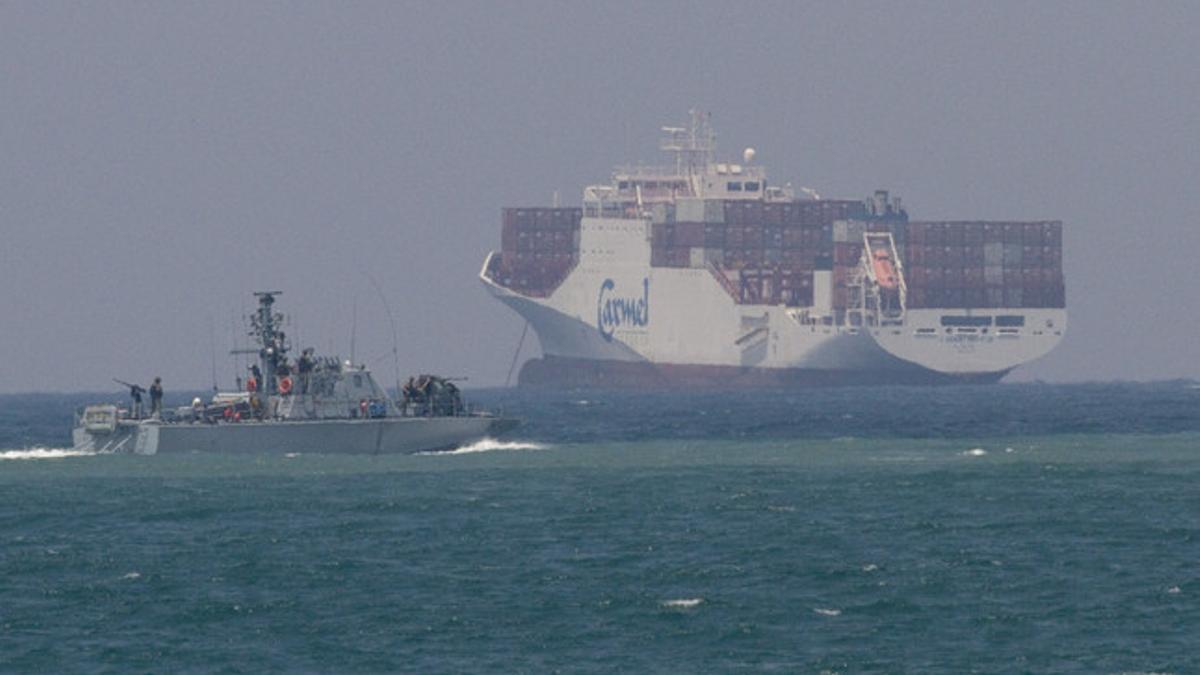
694, 174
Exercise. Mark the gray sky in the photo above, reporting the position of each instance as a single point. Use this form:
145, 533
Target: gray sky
160, 160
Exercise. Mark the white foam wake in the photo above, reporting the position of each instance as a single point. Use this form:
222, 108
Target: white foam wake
490, 445
44, 453
682, 603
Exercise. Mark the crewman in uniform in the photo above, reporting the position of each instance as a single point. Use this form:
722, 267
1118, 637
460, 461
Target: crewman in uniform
135, 393
156, 394
304, 365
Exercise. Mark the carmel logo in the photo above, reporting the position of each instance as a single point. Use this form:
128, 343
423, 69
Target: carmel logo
614, 312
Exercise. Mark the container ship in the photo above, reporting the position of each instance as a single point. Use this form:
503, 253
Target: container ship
701, 273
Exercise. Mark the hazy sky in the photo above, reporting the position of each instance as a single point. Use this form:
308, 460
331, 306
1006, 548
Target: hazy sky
158, 161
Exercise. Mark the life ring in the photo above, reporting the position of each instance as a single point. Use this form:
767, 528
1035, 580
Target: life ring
251, 384
285, 385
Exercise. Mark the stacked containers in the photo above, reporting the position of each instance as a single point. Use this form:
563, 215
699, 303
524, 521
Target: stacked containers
538, 248
767, 249
687, 243
773, 247
983, 264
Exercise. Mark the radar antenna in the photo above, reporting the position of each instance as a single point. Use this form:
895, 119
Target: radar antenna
391, 320
263, 326
694, 147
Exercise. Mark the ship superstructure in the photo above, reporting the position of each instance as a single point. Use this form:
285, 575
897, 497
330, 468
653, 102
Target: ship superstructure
702, 273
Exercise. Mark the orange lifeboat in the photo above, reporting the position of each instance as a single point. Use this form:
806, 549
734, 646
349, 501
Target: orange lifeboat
885, 271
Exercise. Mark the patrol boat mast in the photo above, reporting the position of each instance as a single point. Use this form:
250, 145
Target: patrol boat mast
262, 326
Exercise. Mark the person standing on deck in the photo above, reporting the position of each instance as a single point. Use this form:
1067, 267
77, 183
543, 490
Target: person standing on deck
135, 394
304, 365
156, 394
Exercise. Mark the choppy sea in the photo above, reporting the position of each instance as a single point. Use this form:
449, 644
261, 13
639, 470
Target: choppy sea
1012, 528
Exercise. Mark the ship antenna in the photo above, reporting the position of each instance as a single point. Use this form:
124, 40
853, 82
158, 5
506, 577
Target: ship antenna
395, 342
694, 146
212, 348
235, 340
353, 328
264, 329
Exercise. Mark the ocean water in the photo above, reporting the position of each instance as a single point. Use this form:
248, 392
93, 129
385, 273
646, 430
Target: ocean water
1013, 528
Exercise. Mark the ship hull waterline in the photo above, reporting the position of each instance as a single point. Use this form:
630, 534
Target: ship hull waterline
371, 437
554, 372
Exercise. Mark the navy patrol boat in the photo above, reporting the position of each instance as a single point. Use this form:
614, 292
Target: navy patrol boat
307, 405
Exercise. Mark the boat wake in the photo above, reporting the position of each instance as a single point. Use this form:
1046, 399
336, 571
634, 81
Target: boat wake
682, 603
45, 453
489, 445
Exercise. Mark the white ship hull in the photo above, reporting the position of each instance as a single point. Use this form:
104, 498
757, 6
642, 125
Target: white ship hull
617, 320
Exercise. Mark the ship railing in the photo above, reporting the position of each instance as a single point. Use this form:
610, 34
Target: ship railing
605, 201
623, 209
669, 173
426, 409
685, 171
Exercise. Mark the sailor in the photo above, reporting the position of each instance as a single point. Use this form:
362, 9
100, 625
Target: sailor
455, 399
135, 393
156, 394
278, 350
425, 387
304, 365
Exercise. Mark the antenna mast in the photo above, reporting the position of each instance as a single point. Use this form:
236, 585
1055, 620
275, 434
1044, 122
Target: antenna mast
264, 327
694, 147
353, 328
395, 342
212, 347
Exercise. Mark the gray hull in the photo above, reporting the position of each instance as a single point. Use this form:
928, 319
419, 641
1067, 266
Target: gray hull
376, 436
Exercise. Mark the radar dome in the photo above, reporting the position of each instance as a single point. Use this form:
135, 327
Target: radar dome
747, 155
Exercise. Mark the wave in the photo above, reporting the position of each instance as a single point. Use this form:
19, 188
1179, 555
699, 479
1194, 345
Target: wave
682, 603
490, 445
45, 453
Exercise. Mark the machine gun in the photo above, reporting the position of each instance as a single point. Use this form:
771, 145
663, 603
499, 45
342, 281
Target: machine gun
135, 390
433, 395
135, 393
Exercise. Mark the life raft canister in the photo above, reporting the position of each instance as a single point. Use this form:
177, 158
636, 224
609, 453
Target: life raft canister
251, 384
285, 385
